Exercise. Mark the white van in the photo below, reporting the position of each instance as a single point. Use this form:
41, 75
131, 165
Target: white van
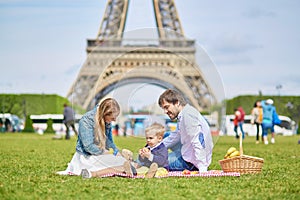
11, 123
39, 122
286, 128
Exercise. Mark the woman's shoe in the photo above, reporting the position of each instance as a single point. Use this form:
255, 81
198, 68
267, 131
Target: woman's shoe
85, 174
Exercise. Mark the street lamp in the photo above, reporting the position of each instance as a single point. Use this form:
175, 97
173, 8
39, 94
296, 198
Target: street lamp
278, 87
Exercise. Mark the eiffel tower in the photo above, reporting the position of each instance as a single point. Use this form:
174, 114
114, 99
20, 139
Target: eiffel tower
113, 61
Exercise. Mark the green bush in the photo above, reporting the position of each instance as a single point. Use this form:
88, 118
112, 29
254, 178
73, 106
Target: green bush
34, 104
28, 125
49, 128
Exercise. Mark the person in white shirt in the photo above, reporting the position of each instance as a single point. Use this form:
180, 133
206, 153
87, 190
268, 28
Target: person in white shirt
192, 132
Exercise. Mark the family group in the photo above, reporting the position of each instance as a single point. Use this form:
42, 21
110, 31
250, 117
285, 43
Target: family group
190, 144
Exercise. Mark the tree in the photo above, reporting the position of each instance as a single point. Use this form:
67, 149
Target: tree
28, 125
49, 128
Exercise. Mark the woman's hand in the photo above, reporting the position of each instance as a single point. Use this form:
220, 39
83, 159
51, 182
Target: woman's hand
105, 152
118, 154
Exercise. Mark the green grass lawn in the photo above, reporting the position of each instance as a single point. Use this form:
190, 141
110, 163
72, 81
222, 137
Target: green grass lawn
28, 163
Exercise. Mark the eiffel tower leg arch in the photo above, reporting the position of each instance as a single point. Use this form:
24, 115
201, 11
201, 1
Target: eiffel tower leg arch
164, 73
125, 82
144, 80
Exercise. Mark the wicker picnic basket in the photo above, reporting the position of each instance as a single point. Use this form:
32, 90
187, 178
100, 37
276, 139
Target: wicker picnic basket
243, 164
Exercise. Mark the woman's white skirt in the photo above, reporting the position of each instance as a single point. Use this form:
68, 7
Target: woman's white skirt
91, 163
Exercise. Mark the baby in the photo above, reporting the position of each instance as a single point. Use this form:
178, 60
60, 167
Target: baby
154, 155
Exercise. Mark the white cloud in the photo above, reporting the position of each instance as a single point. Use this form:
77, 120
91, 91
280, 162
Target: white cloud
257, 12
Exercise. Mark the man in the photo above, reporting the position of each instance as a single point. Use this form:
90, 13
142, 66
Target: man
192, 132
267, 123
69, 120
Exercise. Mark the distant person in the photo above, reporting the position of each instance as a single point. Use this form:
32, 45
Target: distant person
2, 127
239, 116
268, 120
117, 129
93, 157
69, 120
8, 126
192, 136
257, 118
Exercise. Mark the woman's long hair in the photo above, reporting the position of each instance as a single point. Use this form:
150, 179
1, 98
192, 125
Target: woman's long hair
107, 107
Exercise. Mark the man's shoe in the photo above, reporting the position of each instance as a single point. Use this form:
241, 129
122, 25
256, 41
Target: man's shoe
273, 140
266, 142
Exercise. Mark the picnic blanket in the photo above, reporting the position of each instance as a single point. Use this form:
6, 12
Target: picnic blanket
211, 173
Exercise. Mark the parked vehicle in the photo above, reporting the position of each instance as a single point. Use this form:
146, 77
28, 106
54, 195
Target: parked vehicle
10, 123
40, 122
287, 126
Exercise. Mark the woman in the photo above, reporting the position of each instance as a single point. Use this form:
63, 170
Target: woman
95, 140
257, 117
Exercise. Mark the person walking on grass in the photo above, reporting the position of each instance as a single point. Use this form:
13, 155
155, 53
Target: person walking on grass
257, 117
269, 114
239, 115
69, 120
192, 137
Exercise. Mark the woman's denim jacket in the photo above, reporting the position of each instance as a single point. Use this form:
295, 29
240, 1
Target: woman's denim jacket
85, 142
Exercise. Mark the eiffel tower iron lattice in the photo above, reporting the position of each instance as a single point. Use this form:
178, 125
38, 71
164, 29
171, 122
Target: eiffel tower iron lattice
114, 61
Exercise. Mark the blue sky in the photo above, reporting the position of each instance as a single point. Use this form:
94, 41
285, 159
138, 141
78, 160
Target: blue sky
253, 44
